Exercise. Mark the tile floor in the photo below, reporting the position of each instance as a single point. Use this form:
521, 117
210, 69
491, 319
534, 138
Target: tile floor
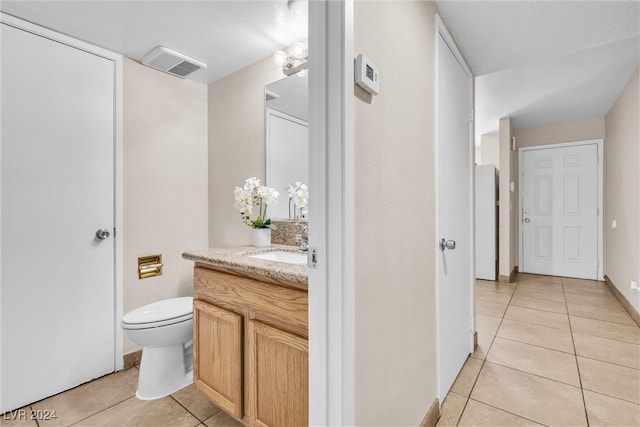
551, 351
110, 401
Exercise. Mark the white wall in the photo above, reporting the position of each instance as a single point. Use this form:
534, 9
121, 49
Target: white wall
165, 181
622, 183
489, 149
395, 318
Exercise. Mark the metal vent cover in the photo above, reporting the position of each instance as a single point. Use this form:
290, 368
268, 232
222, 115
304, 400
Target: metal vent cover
171, 62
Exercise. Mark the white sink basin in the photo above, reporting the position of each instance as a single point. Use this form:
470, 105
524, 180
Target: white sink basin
283, 256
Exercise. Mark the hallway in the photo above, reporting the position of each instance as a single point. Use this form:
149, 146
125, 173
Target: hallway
551, 351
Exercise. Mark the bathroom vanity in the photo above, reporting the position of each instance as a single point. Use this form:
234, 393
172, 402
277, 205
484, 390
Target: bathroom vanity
250, 333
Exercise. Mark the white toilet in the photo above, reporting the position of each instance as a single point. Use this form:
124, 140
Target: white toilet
164, 329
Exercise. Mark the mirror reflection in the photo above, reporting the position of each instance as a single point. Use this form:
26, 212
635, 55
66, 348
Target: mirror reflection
287, 141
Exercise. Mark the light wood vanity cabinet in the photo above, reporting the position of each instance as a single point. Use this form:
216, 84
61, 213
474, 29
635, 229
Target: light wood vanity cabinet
251, 346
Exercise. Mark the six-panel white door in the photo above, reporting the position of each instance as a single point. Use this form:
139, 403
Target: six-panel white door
57, 190
559, 211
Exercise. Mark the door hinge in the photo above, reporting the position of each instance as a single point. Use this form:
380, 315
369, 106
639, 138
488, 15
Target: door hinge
313, 258
471, 114
597, 211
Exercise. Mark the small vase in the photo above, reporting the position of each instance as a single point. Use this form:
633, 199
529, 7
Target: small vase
261, 237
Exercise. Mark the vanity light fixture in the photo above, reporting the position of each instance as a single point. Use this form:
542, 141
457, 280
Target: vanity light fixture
294, 62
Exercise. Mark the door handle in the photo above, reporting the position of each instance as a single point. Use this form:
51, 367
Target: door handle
527, 220
447, 244
102, 234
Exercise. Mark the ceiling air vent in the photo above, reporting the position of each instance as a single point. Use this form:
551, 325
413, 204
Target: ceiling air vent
172, 62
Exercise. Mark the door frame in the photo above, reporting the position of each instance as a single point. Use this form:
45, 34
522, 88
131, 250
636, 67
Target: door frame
600, 166
441, 30
118, 162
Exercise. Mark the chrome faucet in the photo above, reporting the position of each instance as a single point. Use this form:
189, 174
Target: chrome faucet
303, 239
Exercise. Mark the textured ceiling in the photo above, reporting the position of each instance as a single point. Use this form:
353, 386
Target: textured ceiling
498, 35
226, 35
545, 62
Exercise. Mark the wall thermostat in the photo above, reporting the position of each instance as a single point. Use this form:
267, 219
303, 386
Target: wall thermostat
367, 75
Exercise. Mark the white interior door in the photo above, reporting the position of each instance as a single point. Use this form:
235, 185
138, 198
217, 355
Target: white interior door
559, 211
454, 211
57, 189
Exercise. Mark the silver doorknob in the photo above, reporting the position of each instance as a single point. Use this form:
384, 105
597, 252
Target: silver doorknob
102, 234
447, 244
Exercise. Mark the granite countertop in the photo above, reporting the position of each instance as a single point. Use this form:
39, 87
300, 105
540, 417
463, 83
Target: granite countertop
238, 259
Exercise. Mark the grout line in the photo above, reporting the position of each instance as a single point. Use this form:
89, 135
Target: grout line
508, 412
539, 346
584, 402
534, 375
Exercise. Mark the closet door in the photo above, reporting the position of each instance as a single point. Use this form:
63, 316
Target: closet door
57, 291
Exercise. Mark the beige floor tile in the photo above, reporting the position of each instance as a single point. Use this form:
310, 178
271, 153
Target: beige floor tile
600, 313
551, 364
490, 308
539, 304
608, 301
478, 414
524, 277
196, 403
610, 412
547, 295
542, 336
599, 328
497, 297
451, 410
538, 317
606, 350
487, 324
582, 289
612, 380
221, 419
467, 376
19, 418
495, 287
584, 283
529, 396
540, 286
136, 412
90, 398
484, 344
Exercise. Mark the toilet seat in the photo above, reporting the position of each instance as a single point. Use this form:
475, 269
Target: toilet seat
161, 313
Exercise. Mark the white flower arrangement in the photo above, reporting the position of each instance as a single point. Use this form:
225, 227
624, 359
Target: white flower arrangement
254, 194
299, 198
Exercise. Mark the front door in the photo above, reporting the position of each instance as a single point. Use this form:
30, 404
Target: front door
57, 292
559, 194
454, 184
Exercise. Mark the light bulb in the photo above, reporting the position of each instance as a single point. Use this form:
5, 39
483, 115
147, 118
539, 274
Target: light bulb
299, 50
298, 7
279, 57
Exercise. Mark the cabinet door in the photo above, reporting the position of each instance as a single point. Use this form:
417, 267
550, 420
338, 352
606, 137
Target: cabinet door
278, 376
217, 356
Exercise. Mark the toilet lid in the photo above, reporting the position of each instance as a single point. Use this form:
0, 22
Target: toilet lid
174, 308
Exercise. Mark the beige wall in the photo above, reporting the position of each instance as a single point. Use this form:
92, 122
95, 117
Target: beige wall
507, 250
236, 146
580, 130
395, 360
490, 149
622, 182
165, 181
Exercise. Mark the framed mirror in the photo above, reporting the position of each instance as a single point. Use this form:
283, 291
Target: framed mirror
286, 138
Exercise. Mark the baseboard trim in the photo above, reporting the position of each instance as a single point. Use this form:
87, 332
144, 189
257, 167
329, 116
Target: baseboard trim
512, 277
432, 416
623, 300
132, 359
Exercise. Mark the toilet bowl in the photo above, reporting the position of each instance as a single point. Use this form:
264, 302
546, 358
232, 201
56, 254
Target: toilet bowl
164, 329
